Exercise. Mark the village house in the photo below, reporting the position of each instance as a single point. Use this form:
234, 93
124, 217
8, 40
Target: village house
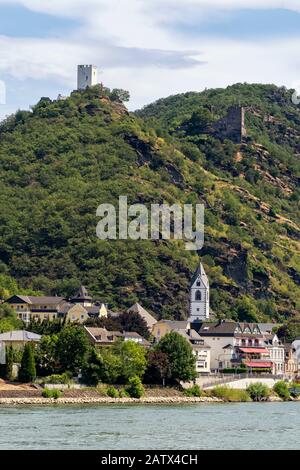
233, 344
17, 340
277, 354
78, 309
100, 337
36, 307
162, 327
200, 348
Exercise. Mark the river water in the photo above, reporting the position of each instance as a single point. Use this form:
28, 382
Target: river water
130, 427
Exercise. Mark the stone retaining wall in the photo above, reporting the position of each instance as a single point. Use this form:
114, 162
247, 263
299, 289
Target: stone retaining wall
106, 400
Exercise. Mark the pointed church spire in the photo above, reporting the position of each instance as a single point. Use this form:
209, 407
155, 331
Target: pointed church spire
199, 296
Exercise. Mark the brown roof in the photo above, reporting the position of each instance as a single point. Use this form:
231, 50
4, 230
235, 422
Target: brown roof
102, 335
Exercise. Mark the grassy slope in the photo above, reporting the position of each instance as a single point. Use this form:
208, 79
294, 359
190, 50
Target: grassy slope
60, 162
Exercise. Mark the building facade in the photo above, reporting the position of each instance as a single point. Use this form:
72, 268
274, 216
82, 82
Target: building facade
233, 344
199, 296
78, 309
87, 76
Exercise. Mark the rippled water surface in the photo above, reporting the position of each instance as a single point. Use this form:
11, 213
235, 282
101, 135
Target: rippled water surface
205, 426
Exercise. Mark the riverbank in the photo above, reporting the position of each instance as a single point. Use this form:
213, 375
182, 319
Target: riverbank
106, 400
91, 400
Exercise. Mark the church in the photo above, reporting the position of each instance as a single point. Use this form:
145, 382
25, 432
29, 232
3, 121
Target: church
199, 296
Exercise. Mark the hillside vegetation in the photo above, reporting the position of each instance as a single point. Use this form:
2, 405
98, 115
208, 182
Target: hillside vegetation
63, 159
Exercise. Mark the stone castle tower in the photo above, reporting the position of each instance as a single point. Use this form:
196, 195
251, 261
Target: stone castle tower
199, 300
232, 126
87, 75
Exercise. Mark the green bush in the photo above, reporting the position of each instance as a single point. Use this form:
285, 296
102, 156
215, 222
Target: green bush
294, 390
112, 392
51, 393
58, 379
194, 391
135, 387
282, 390
123, 393
230, 394
258, 391
231, 370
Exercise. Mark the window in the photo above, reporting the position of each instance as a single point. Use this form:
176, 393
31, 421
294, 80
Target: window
198, 283
198, 295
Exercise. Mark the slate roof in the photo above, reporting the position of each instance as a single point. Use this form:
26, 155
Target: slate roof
268, 327
30, 299
19, 335
225, 328
200, 272
82, 294
228, 328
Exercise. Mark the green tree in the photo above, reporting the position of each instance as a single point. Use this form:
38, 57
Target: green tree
92, 371
135, 387
289, 331
72, 347
9, 363
246, 310
282, 390
117, 94
158, 367
180, 355
133, 358
132, 321
199, 122
46, 355
110, 369
27, 372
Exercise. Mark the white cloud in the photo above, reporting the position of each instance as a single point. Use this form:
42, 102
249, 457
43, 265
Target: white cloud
128, 40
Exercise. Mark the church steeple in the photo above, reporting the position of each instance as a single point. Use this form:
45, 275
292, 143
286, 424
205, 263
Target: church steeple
199, 296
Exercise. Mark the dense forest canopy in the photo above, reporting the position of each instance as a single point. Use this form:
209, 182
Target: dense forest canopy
61, 160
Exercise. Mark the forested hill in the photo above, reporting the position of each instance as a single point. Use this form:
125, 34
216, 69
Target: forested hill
63, 159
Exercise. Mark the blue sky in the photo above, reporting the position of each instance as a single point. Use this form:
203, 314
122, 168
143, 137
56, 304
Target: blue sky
153, 49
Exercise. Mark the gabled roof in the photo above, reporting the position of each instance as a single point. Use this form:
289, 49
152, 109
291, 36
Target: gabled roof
30, 299
192, 336
200, 272
149, 319
225, 328
102, 335
267, 327
19, 335
229, 328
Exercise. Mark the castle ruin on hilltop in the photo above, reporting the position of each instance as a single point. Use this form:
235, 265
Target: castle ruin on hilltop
231, 126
